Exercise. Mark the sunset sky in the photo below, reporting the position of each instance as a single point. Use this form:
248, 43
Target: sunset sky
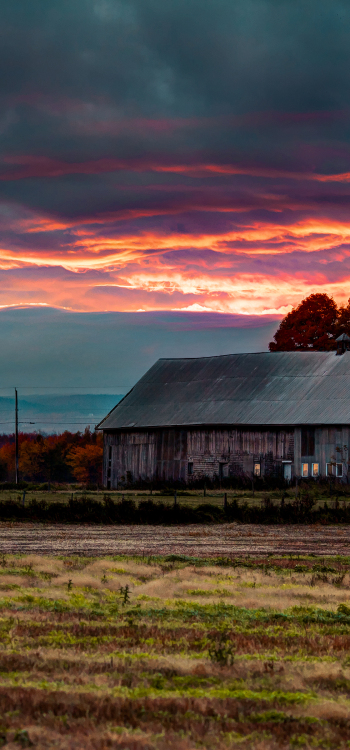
174, 155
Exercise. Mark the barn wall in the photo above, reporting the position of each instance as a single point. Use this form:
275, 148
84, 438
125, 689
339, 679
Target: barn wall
233, 452
167, 454
331, 447
147, 455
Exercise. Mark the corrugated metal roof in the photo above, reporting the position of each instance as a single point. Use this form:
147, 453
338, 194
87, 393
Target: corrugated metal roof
271, 388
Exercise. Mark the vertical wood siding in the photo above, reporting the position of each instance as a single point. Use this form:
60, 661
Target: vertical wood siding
164, 454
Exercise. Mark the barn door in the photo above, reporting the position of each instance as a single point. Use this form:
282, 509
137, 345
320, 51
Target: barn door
287, 472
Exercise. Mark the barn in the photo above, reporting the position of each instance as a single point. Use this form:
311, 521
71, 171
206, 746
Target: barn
272, 414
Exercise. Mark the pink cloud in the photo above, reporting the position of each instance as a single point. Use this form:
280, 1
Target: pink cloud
24, 166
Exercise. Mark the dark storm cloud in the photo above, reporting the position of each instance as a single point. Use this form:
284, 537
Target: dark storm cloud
95, 64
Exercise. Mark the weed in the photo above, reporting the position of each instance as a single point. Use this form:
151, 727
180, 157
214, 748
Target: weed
22, 737
222, 651
272, 715
125, 594
157, 681
338, 580
69, 584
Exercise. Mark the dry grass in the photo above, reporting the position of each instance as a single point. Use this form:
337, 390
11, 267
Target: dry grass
151, 654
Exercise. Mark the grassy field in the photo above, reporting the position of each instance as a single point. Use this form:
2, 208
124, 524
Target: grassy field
189, 498
174, 653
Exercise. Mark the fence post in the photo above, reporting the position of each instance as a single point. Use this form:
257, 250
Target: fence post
175, 499
225, 502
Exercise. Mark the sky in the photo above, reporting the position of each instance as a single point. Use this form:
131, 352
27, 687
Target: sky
174, 155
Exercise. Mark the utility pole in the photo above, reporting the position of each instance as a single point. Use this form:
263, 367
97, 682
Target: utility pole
16, 436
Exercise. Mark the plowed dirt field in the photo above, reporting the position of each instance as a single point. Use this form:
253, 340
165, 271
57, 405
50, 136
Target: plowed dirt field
206, 541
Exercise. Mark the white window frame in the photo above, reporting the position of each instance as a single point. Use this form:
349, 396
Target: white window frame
302, 470
317, 473
329, 470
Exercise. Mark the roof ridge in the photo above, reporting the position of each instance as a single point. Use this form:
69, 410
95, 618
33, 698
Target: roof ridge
242, 354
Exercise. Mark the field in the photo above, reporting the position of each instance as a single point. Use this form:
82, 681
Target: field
190, 498
158, 653
211, 540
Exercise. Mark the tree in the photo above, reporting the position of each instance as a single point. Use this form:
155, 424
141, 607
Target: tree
86, 463
343, 325
313, 325
31, 459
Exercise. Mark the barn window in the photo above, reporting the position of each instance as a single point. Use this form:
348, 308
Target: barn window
329, 470
315, 470
257, 470
339, 470
190, 469
304, 470
307, 441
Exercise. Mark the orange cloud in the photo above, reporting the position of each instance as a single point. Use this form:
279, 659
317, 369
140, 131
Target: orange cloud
246, 265
88, 250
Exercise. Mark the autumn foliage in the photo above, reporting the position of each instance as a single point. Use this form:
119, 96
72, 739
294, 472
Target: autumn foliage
86, 462
55, 458
313, 325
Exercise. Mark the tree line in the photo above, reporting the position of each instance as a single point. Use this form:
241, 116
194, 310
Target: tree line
68, 457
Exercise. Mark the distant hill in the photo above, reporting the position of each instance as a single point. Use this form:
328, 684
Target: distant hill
54, 414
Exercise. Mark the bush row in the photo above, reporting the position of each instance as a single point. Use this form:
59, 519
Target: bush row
88, 510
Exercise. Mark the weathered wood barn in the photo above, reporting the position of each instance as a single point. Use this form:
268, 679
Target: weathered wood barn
281, 414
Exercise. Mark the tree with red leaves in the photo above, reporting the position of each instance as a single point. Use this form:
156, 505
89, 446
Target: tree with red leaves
312, 326
86, 463
343, 325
